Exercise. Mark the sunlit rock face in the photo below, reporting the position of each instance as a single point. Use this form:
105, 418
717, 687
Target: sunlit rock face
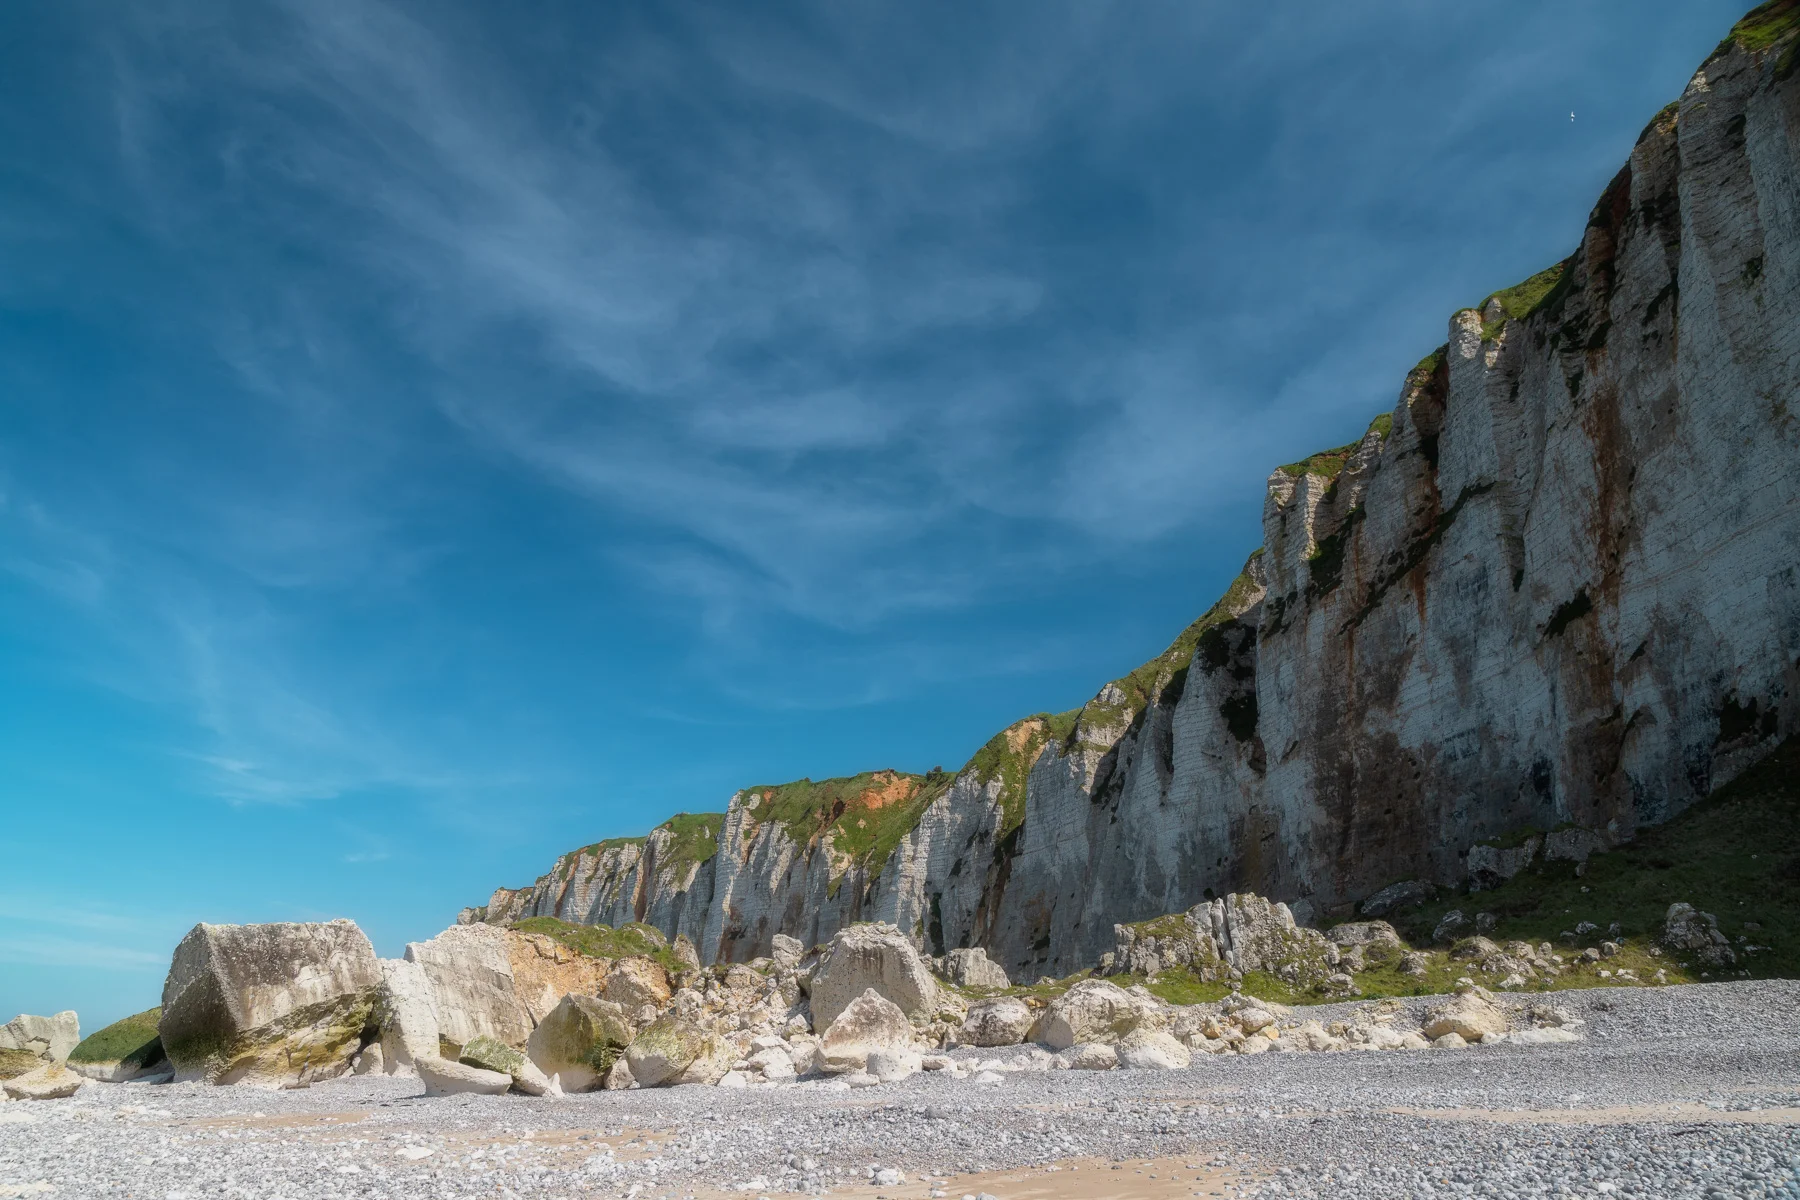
1556, 586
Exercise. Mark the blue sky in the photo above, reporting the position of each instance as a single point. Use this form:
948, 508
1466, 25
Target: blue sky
432, 441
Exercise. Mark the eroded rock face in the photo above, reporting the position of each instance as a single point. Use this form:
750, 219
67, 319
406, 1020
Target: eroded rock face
1553, 587
269, 1004
544, 971
634, 982
878, 957
469, 968
580, 1040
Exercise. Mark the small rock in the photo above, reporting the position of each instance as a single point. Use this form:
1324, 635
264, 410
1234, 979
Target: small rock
1450, 926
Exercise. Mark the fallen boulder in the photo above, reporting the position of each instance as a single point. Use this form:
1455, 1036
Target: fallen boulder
998, 1021
491, 1054
580, 1041
878, 957
1471, 1015
1152, 1050
666, 1048
52, 1081
442, 1077
1095, 1011
869, 1023
1686, 930
473, 993
786, 951
1087, 1056
1224, 938
973, 968
127, 1049
273, 1005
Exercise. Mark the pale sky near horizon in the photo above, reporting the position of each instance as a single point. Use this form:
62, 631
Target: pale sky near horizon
434, 440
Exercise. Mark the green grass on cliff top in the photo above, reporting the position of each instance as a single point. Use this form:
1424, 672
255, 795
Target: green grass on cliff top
634, 940
1164, 676
694, 839
1522, 299
1763, 26
133, 1040
867, 815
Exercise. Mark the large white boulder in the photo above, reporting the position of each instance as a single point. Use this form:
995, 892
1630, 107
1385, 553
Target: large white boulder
1096, 1011
409, 1028
997, 1021
878, 957
273, 1005
869, 1023
469, 968
1152, 1050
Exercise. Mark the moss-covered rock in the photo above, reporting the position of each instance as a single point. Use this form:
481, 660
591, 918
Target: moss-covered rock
126, 1049
580, 1041
664, 1051
273, 1004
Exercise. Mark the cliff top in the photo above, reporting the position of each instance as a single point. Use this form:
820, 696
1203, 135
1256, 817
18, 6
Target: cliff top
1762, 27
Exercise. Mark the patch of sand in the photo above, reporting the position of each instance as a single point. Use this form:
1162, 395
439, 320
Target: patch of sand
1070, 1179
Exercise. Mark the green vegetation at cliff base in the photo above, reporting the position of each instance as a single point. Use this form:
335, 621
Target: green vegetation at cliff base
1736, 855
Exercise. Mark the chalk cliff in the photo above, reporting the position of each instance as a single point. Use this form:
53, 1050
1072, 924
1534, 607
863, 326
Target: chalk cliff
1556, 586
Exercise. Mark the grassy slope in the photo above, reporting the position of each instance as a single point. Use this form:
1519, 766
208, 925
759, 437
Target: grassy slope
1735, 855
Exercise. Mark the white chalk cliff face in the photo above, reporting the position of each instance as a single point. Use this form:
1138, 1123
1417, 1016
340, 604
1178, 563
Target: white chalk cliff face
1558, 585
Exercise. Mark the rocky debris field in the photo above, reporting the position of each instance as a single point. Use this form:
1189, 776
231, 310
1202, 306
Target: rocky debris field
1689, 1091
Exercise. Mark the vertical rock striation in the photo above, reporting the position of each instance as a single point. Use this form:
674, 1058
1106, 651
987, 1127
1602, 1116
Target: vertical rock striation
1556, 586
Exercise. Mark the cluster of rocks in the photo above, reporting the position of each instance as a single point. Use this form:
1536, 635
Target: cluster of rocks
488, 1009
